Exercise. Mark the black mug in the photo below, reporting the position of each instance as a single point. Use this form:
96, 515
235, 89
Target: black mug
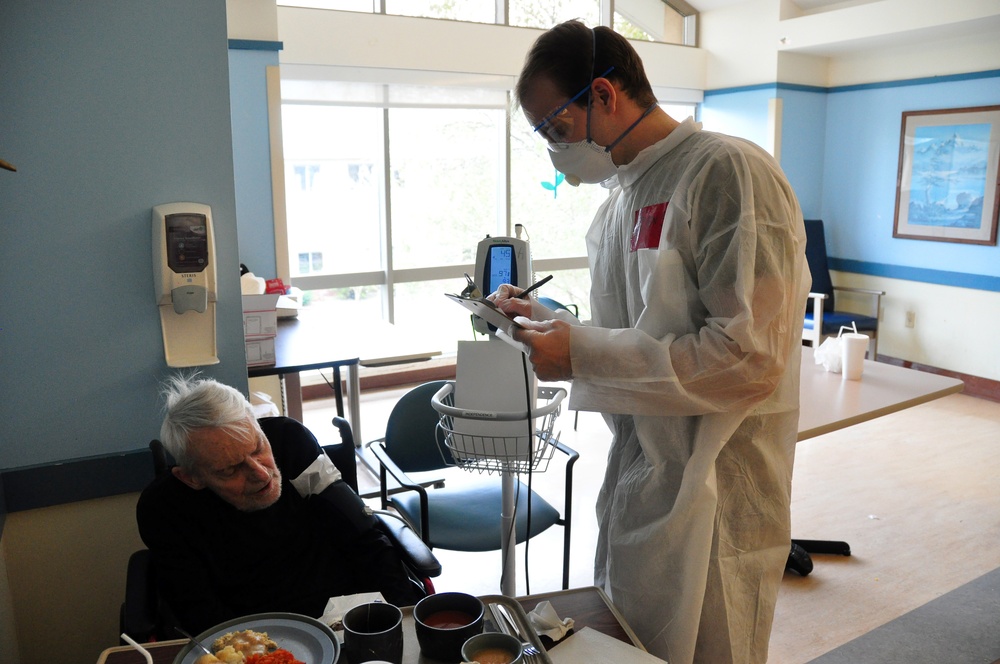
372, 632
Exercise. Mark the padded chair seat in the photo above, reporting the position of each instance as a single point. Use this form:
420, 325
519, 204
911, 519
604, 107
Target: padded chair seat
454, 510
834, 320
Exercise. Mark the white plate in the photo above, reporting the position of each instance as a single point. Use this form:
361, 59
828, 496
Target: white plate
306, 638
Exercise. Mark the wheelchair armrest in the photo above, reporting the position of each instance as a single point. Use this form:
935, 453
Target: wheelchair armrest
344, 429
415, 554
138, 611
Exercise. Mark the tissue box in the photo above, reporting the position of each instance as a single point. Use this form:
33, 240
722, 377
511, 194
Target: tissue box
260, 351
260, 318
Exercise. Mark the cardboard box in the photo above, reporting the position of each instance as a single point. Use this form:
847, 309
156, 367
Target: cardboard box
260, 351
260, 318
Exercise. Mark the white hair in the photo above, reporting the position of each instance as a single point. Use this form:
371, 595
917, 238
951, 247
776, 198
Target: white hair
194, 403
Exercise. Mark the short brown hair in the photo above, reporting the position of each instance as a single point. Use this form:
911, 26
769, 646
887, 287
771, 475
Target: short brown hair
571, 55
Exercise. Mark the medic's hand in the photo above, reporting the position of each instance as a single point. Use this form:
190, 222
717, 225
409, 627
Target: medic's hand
548, 347
505, 297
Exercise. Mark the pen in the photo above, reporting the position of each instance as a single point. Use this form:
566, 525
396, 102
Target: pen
523, 294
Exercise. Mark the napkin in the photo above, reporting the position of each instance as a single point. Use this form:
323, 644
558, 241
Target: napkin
590, 646
546, 622
336, 607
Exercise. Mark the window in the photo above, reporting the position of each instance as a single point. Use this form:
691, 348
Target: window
475, 11
650, 20
444, 198
540, 14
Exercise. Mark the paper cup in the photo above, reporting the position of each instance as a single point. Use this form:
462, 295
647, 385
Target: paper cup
853, 347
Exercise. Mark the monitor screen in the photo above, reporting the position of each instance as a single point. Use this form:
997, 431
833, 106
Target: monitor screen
500, 268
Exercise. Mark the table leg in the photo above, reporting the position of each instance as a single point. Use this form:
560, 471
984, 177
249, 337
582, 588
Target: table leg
292, 387
354, 401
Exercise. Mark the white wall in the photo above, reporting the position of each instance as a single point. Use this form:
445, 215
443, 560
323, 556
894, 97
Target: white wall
749, 44
954, 329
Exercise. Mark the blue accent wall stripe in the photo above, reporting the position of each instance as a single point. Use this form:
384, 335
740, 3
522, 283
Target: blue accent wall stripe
45, 485
972, 76
919, 274
255, 45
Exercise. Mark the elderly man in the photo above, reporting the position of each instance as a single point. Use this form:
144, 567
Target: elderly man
255, 517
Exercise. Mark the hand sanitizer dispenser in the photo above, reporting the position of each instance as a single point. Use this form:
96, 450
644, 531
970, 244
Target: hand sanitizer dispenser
185, 282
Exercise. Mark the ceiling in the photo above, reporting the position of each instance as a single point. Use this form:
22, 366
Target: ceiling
986, 23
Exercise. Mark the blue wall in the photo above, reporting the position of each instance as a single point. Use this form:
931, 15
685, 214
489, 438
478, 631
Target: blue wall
862, 164
745, 112
248, 62
108, 108
740, 112
803, 122
840, 150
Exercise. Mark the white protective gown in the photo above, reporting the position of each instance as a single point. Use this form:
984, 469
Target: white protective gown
694, 356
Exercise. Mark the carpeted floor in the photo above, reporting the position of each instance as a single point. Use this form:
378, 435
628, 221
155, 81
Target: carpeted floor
960, 626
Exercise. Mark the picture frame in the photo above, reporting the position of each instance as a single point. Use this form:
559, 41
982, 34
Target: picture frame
948, 184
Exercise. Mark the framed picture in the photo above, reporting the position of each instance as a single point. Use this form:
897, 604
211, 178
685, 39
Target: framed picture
948, 187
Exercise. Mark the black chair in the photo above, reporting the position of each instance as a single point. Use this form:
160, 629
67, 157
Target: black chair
822, 319
456, 518
145, 617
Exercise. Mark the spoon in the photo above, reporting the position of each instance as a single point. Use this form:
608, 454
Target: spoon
194, 641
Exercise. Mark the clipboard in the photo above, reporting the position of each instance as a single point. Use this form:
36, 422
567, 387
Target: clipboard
487, 311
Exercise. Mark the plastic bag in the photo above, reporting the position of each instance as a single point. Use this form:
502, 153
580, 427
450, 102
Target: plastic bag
830, 354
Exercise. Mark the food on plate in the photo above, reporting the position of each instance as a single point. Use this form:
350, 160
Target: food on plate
279, 656
246, 647
227, 655
246, 641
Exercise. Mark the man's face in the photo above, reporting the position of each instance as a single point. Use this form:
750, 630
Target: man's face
235, 464
558, 119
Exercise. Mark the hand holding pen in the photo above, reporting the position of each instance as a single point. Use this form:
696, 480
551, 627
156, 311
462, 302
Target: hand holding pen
527, 291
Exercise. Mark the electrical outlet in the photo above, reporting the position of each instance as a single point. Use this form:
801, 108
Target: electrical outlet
911, 318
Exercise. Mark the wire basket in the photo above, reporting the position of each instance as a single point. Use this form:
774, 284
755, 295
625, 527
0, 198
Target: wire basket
478, 440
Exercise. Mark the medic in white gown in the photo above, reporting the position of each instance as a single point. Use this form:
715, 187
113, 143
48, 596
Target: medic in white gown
699, 284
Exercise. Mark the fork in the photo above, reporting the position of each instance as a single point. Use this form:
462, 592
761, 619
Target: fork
507, 625
194, 642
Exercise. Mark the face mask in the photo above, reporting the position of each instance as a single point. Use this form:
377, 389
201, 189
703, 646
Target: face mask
584, 161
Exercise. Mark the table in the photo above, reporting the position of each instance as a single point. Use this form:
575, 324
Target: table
321, 339
588, 607
827, 403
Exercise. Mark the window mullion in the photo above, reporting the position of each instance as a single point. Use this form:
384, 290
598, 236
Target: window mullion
385, 209
607, 13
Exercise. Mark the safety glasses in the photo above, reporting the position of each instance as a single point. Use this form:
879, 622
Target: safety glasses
558, 125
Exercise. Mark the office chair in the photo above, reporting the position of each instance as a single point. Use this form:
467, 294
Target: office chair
555, 305
462, 518
145, 617
821, 317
